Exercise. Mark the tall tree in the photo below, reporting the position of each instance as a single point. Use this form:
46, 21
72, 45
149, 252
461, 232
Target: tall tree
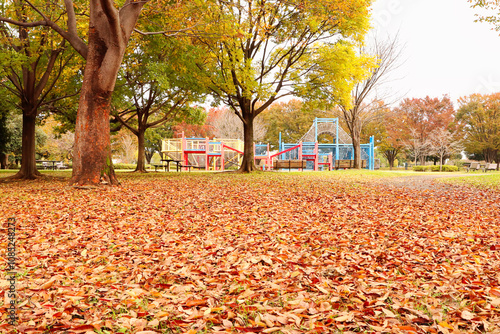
263, 55
480, 117
12, 132
389, 132
422, 116
108, 32
40, 58
5, 137
150, 96
444, 143
366, 102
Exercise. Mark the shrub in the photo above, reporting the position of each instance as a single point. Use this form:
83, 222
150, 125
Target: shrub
445, 168
420, 168
124, 166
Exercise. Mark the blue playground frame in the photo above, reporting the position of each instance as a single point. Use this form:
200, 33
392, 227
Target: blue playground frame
340, 149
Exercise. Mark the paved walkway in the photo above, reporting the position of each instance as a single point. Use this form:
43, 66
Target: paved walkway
422, 182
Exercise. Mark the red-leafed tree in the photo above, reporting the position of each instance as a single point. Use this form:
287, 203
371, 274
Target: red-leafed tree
421, 118
390, 134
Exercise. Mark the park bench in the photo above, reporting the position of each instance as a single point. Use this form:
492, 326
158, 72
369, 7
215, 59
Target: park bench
490, 167
189, 167
61, 165
345, 164
157, 165
278, 164
473, 167
179, 165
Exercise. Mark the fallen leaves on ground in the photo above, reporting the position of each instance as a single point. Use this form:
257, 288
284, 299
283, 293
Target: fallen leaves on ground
266, 253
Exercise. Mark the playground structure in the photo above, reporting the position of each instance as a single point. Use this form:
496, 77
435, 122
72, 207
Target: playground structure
221, 154
318, 155
216, 154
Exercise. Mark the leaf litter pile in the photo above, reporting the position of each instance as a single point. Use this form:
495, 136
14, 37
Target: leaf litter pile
265, 253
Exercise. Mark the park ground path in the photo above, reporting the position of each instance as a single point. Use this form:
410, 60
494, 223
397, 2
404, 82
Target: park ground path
428, 182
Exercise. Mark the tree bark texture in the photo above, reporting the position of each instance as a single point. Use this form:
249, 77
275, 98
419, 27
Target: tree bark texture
92, 153
141, 152
357, 151
247, 164
391, 156
355, 130
28, 161
109, 32
3, 160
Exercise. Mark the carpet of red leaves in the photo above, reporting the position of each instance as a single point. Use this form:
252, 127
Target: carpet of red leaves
265, 253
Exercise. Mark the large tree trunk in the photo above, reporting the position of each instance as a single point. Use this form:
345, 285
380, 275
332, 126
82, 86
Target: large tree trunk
391, 156
148, 155
247, 164
92, 151
357, 152
141, 154
28, 169
356, 144
109, 32
3, 160
92, 162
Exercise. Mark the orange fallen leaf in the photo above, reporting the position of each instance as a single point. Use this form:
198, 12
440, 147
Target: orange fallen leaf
196, 302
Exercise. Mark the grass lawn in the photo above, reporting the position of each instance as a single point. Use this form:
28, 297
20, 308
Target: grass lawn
490, 180
311, 252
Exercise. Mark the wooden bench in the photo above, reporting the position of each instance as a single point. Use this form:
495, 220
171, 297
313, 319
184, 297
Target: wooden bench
278, 164
156, 166
189, 167
178, 166
345, 164
473, 167
490, 167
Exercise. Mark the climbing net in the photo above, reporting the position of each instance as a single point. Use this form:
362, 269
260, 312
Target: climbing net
330, 128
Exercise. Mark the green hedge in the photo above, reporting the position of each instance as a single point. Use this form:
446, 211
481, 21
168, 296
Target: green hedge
115, 166
124, 166
445, 168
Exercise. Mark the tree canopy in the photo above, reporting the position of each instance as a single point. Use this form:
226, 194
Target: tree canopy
480, 117
268, 48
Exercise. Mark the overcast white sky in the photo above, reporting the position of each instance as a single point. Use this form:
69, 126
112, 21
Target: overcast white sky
446, 51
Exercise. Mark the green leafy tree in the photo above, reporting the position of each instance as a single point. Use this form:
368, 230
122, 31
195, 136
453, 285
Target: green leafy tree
107, 30
292, 119
367, 73
480, 117
268, 48
12, 147
33, 59
147, 95
4, 137
153, 140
